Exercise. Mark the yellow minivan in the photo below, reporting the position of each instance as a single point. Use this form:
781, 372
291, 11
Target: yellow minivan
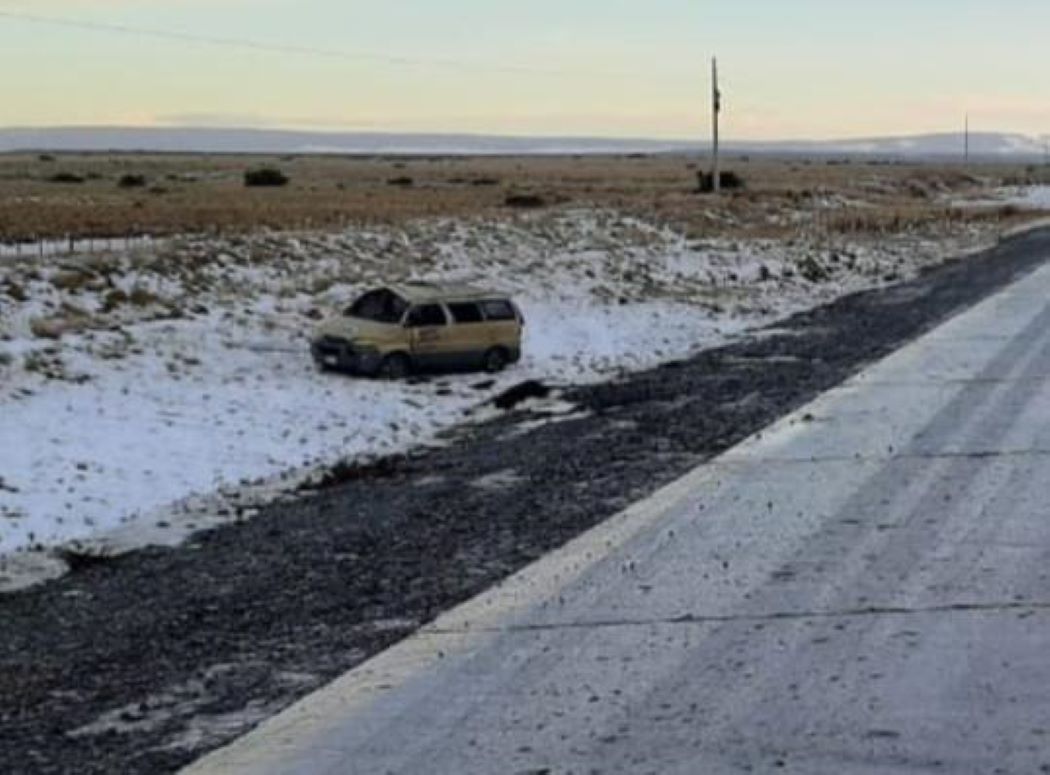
393, 331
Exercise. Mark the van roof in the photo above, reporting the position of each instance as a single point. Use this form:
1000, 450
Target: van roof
424, 293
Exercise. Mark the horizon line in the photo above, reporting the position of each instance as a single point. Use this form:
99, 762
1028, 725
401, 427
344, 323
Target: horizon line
478, 134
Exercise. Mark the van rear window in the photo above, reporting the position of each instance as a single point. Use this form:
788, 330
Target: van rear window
498, 310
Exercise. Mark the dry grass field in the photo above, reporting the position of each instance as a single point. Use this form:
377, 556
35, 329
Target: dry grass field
56, 196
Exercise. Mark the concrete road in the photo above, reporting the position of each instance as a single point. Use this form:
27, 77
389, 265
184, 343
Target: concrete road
863, 588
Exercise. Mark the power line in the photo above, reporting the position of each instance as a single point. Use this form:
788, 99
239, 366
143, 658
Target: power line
284, 48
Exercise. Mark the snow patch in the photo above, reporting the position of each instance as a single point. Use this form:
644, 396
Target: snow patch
145, 395
1022, 197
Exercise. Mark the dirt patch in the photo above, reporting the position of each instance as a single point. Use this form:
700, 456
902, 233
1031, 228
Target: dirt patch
80, 559
345, 473
521, 392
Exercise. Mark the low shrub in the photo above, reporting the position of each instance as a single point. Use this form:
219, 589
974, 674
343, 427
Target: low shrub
36, 362
70, 280
141, 297
525, 201
729, 179
404, 182
114, 299
15, 291
66, 177
132, 181
812, 270
265, 176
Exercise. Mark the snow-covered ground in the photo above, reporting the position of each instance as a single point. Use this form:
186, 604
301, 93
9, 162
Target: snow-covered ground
1023, 197
141, 393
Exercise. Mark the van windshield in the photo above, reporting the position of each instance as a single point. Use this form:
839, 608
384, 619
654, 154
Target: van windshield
380, 306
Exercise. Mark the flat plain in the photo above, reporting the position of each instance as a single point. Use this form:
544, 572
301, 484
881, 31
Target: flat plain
49, 196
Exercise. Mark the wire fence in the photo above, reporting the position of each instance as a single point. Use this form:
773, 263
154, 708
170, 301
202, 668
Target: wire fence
72, 246
137, 241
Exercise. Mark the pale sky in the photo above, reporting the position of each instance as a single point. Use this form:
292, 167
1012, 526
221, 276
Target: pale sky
804, 69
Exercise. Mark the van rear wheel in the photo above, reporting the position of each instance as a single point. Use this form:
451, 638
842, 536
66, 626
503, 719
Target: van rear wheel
394, 366
495, 360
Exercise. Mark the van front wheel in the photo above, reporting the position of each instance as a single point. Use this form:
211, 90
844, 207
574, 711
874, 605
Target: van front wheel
395, 366
495, 360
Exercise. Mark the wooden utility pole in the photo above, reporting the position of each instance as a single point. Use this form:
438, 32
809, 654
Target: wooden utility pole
716, 109
966, 142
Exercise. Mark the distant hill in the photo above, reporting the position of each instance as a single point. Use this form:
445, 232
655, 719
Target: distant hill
986, 145
983, 145
199, 139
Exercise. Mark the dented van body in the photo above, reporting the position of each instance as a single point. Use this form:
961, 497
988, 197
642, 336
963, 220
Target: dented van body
395, 330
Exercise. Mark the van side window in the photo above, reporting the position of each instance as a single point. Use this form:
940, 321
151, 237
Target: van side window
498, 310
466, 313
426, 315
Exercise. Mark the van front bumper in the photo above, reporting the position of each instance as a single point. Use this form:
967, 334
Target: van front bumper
332, 353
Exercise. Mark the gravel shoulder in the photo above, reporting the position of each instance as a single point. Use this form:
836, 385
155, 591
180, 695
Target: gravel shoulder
144, 662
